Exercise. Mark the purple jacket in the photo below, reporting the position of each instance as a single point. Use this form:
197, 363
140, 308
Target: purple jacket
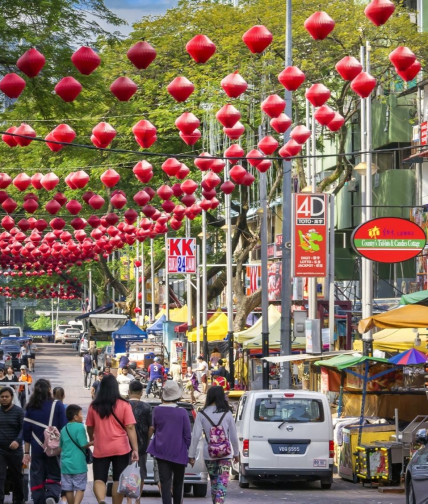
172, 434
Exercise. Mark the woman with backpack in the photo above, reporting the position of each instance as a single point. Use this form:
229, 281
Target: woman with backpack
43, 415
217, 424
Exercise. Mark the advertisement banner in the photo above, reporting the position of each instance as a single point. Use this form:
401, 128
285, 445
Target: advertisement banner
253, 279
274, 281
181, 255
310, 235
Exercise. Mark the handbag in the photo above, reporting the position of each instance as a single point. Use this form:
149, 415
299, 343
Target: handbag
88, 453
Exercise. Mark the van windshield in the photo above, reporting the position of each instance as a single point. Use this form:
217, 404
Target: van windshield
10, 331
282, 409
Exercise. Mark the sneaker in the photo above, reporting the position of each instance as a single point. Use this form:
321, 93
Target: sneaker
50, 500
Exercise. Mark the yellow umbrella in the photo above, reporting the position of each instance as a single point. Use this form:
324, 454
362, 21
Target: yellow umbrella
404, 317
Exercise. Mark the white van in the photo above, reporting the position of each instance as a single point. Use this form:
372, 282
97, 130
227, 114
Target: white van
284, 435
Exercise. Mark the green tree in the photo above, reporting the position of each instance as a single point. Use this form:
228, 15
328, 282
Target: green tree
42, 323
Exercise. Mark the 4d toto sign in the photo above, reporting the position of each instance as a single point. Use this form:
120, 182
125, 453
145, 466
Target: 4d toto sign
389, 239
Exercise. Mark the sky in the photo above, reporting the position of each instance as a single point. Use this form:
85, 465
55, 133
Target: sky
133, 10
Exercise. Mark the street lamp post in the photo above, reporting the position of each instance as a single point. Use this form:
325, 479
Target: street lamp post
264, 267
204, 284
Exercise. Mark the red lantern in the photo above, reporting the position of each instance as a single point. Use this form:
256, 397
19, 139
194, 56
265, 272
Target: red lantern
273, 105
402, 58
9, 139
217, 165
227, 187
204, 161
348, 68
68, 89
171, 166
187, 123
248, 179
237, 173
4, 195
110, 178
123, 88
78, 223
144, 130
141, 198
254, 157
60, 198
317, 94
86, 60
235, 131
80, 179
264, 165
336, 123
200, 48
363, 84
53, 207
228, 116
234, 85
31, 62
411, 72
23, 225
8, 222
189, 186
268, 145
141, 54
9, 205
188, 200
211, 180
165, 192
234, 151
30, 205
69, 181
143, 171
118, 200
57, 223
324, 115
180, 89
168, 206
291, 148
104, 133
149, 211
300, 134
319, 25
207, 193
21, 181
379, 11
54, 147
182, 172
94, 221
291, 78
281, 123
96, 202
257, 38
27, 131
12, 85
176, 189
74, 207
150, 192
63, 133
49, 181
192, 138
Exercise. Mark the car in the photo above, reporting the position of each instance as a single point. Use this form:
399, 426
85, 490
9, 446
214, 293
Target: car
196, 477
59, 331
10, 351
416, 479
70, 335
11, 332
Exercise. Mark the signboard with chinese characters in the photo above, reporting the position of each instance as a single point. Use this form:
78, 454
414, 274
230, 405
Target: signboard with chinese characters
389, 239
310, 235
181, 257
423, 140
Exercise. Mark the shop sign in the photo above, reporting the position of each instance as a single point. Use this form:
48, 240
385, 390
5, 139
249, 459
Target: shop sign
424, 129
388, 239
181, 255
310, 235
278, 244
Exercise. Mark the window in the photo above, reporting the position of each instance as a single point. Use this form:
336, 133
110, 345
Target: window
241, 408
288, 410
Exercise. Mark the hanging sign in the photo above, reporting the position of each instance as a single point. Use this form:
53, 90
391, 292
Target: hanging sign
181, 255
389, 239
310, 233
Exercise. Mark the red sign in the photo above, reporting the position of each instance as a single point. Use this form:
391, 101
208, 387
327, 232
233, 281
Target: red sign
388, 239
424, 128
181, 255
310, 241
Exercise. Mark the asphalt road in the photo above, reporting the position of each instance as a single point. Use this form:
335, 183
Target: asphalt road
62, 366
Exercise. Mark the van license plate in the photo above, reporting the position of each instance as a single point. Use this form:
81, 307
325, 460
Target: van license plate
289, 449
320, 462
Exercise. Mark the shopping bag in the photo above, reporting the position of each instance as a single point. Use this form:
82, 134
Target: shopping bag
129, 481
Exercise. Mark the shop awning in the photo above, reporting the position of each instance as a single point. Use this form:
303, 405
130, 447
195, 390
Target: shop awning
396, 340
413, 315
216, 329
255, 331
341, 362
419, 157
304, 356
420, 298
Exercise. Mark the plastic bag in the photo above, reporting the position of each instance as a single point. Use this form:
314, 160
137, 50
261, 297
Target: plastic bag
129, 481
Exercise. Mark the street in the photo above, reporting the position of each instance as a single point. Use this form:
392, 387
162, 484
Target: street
62, 366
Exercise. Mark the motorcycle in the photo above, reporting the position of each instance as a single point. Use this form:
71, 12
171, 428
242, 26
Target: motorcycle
157, 388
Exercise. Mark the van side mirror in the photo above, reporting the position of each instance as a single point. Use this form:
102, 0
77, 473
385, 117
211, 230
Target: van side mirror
421, 436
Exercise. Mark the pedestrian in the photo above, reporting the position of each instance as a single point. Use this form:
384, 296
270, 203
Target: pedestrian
191, 384
175, 371
24, 377
45, 472
2, 375
143, 417
96, 383
32, 360
10, 375
86, 369
11, 420
170, 444
124, 380
123, 363
25, 354
111, 426
220, 376
58, 393
94, 355
215, 357
74, 470
202, 371
156, 372
216, 411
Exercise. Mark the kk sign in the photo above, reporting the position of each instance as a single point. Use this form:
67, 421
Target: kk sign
181, 255
310, 235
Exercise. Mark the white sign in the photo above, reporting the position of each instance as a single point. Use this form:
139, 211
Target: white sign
181, 255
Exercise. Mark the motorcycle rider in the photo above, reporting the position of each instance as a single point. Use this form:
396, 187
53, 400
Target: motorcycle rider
156, 372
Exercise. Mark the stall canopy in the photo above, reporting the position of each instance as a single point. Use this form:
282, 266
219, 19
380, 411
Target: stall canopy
126, 332
254, 331
420, 298
157, 327
175, 314
216, 328
396, 340
412, 315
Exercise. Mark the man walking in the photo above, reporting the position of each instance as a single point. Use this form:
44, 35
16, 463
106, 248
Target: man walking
11, 454
86, 368
202, 372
